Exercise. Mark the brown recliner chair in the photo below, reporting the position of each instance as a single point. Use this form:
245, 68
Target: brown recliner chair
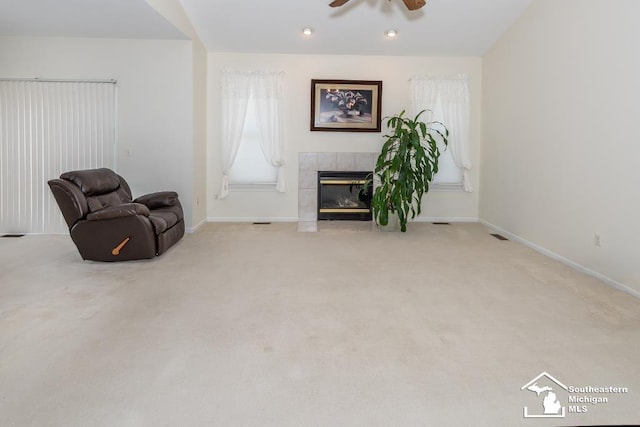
107, 225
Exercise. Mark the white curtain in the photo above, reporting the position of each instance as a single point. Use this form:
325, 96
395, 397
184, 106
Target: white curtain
266, 91
267, 94
453, 95
235, 97
47, 128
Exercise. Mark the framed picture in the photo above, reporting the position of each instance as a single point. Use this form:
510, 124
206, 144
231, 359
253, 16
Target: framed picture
346, 105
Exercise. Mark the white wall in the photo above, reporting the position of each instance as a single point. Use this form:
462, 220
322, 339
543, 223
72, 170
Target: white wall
200, 58
173, 11
299, 70
155, 100
560, 142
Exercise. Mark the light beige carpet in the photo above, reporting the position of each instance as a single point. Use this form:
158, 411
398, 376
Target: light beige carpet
259, 325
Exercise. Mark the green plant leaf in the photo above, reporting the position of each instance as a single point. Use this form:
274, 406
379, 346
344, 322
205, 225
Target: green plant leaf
407, 163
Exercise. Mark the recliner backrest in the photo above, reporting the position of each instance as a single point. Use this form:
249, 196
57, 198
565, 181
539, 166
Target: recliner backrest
102, 187
79, 193
72, 202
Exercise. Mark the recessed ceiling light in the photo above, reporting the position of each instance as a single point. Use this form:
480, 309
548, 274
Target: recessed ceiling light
391, 33
307, 31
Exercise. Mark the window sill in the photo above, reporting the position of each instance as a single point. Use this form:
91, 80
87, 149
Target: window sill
252, 187
452, 188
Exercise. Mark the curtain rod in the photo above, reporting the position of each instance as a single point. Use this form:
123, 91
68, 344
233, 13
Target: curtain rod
36, 79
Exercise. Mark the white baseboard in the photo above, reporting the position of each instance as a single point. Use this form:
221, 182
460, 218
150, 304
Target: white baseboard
62, 233
252, 219
196, 227
444, 219
295, 219
609, 281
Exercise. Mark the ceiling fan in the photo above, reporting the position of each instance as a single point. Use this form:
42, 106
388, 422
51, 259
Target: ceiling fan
411, 4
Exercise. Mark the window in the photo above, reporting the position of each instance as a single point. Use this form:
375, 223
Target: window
252, 143
449, 175
447, 99
47, 128
250, 168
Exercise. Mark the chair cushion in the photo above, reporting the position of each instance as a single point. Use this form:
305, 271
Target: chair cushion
119, 211
113, 198
158, 200
102, 187
93, 181
164, 218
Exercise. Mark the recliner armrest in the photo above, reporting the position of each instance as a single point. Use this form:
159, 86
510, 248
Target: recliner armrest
119, 211
158, 200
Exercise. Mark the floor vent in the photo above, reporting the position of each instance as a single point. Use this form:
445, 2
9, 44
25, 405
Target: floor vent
261, 223
442, 223
12, 235
499, 237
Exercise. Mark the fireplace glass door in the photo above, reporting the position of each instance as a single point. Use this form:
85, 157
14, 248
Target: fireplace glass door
344, 196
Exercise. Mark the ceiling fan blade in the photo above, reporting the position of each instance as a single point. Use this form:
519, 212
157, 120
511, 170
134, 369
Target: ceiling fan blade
414, 4
336, 3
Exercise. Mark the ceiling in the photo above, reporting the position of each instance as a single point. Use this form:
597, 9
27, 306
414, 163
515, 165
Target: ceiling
441, 28
84, 18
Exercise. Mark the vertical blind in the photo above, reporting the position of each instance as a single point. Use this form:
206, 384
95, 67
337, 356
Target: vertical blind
47, 128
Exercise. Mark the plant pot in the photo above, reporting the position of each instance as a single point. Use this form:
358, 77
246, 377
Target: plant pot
392, 225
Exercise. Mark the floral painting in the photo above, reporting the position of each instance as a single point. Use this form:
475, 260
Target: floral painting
346, 105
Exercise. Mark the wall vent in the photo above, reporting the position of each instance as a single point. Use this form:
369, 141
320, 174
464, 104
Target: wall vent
499, 237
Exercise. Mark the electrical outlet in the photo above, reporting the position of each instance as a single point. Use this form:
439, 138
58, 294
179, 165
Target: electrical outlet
596, 239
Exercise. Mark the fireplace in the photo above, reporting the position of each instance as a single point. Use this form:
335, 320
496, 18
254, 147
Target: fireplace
344, 195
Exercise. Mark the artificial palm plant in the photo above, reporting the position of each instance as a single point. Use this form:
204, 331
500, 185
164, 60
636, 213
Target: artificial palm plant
406, 165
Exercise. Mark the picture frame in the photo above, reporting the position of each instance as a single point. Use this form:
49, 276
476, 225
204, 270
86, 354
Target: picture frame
346, 105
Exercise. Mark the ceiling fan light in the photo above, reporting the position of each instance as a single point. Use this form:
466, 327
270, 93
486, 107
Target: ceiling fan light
307, 31
391, 33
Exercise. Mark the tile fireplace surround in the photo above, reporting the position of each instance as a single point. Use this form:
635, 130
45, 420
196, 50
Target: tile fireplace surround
308, 166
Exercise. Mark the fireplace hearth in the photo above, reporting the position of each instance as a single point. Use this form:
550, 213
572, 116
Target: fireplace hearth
344, 195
